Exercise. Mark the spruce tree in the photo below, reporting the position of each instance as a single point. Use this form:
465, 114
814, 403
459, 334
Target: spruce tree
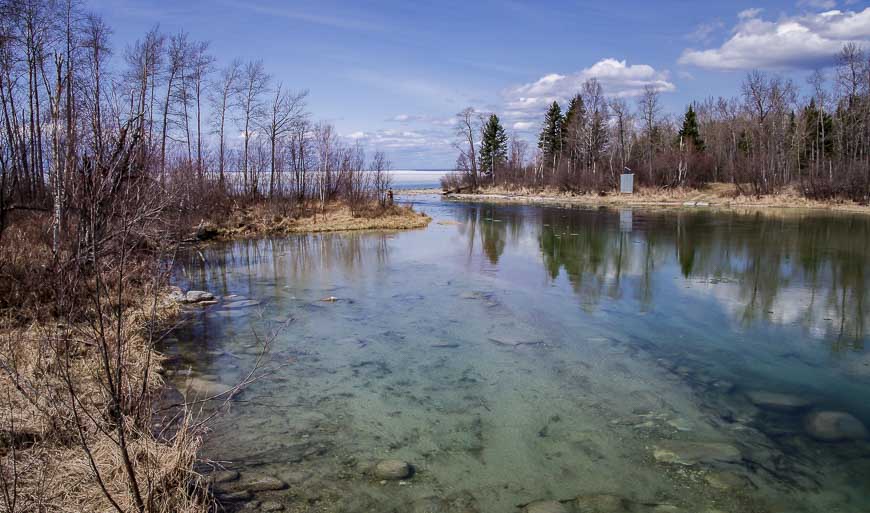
550, 140
690, 132
493, 147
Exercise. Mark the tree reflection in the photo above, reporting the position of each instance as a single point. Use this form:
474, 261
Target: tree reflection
777, 267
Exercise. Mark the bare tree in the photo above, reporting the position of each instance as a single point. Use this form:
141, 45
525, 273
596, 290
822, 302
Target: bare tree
223, 97
285, 110
468, 125
253, 83
650, 109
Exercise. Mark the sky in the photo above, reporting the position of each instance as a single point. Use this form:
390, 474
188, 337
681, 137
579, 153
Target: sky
393, 74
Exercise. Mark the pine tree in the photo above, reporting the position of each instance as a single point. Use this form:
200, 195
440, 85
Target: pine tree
493, 147
690, 133
550, 140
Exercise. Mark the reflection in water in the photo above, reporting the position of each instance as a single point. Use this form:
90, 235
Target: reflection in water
785, 267
522, 353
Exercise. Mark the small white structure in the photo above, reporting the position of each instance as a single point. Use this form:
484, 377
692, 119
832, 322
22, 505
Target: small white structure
626, 182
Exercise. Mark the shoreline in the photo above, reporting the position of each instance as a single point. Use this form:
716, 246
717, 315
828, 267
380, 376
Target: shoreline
715, 198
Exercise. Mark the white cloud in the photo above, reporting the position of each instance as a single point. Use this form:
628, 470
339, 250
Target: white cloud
800, 42
818, 4
616, 77
523, 125
750, 13
704, 32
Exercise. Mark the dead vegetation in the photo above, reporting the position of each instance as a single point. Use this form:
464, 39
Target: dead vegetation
722, 195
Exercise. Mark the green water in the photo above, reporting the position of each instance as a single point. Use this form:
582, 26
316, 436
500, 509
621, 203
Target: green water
516, 353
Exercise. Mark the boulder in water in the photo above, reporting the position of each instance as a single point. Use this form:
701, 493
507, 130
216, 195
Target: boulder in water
834, 426
393, 469
602, 503
198, 296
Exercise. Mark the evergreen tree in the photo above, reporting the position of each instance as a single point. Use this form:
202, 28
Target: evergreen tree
493, 147
690, 132
550, 140
575, 121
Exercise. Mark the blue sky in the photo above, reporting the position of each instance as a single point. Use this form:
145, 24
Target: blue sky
392, 74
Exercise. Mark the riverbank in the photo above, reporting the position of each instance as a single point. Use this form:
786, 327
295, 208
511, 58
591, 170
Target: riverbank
88, 421
714, 196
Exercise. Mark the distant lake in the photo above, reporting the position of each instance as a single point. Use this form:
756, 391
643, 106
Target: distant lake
653, 361
413, 179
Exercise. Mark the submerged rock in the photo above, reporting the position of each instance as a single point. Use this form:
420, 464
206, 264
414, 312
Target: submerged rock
393, 469
693, 453
264, 484
834, 426
223, 476
727, 481
237, 496
207, 388
777, 401
545, 507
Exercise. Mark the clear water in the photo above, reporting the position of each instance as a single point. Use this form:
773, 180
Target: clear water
517, 353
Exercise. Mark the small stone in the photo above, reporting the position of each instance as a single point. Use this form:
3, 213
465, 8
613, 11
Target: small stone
271, 506
777, 401
545, 507
834, 426
265, 484
393, 469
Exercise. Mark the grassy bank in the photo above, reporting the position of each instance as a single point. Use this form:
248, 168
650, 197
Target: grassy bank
717, 195
260, 220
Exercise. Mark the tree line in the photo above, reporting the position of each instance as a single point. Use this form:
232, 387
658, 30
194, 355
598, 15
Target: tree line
765, 139
180, 120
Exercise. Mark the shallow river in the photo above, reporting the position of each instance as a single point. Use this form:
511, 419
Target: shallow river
690, 361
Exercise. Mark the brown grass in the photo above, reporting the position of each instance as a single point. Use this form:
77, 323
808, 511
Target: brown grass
42, 456
717, 195
260, 220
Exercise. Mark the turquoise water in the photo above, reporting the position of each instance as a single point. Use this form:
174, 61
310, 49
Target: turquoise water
518, 353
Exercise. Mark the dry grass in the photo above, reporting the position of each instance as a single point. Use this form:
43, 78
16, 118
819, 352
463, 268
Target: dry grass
260, 220
720, 195
45, 428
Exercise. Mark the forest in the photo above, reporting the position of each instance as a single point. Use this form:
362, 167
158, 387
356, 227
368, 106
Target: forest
768, 137
167, 115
